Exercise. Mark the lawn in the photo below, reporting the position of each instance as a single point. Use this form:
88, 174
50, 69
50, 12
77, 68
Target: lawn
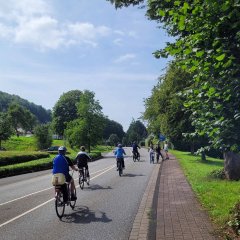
216, 195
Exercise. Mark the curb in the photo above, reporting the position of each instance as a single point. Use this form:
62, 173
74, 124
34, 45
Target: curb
142, 222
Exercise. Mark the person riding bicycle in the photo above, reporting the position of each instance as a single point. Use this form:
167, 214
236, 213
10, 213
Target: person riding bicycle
82, 159
119, 152
61, 164
135, 149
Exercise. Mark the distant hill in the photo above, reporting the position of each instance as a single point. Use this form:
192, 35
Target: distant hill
41, 113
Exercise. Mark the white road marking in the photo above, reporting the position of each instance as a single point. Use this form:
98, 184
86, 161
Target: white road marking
30, 194
31, 210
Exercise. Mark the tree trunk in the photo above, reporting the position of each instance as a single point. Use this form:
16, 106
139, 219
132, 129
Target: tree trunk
203, 156
192, 148
232, 165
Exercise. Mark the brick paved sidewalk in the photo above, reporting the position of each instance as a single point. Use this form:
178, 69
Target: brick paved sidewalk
179, 214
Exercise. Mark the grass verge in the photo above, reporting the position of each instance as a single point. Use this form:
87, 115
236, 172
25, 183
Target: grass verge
217, 196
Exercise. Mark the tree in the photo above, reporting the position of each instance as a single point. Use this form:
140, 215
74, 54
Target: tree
65, 110
136, 131
113, 139
20, 117
87, 129
6, 129
207, 45
43, 136
112, 127
164, 109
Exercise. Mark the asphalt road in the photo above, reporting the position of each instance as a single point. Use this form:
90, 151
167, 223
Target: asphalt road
104, 210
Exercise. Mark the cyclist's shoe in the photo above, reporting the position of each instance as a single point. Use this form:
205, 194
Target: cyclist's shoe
73, 197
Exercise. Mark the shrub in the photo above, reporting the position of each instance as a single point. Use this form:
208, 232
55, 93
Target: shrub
234, 223
218, 173
10, 158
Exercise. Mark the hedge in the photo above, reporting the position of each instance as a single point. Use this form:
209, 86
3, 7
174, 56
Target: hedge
11, 157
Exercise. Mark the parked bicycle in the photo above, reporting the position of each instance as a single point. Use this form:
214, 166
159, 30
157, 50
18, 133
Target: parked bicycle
83, 177
60, 198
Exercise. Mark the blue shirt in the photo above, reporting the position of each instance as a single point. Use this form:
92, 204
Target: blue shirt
60, 165
119, 152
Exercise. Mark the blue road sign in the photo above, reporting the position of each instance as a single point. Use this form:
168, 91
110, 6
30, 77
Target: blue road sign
161, 137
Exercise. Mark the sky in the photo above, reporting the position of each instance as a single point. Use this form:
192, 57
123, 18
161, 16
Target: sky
49, 47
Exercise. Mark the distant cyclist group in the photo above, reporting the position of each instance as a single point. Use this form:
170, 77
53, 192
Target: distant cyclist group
65, 190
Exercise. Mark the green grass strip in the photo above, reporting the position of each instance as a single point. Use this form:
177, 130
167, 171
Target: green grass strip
217, 196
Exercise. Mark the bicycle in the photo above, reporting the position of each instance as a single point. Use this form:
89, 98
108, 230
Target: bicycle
59, 199
119, 166
136, 156
83, 177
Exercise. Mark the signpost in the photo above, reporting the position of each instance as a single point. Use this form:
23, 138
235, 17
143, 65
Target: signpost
162, 137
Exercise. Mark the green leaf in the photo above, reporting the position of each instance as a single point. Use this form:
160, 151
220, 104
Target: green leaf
221, 57
199, 54
161, 13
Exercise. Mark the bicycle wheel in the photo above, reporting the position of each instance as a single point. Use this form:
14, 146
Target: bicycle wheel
81, 180
138, 157
59, 204
120, 168
73, 203
134, 159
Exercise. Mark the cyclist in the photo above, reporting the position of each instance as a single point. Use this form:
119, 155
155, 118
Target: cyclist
61, 164
119, 152
82, 159
135, 149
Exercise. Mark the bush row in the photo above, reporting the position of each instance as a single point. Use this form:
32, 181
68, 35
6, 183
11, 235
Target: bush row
11, 157
33, 166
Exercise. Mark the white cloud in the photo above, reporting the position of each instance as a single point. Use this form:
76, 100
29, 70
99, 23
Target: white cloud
42, 31
119, 32
32, 22
118, 42
125, 57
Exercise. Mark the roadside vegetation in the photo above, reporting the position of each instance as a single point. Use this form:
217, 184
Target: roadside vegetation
21, 156
216, 194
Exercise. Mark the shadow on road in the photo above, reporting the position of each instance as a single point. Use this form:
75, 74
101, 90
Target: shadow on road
83, 215
98, 187
132, 175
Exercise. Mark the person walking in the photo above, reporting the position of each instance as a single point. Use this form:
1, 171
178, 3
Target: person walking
166, 149
158, 152
151, 154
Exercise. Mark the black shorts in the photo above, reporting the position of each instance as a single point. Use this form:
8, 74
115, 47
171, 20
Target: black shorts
68, 178
82, 164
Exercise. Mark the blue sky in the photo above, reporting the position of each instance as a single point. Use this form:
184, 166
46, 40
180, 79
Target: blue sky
49, 47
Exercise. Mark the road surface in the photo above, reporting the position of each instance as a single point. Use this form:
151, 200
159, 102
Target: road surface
104, 210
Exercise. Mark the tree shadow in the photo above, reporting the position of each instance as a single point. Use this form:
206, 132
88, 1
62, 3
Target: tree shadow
83, 215
98, 187
132, 175
211, 162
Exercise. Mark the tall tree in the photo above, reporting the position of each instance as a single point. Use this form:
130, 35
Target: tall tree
21, 117
65, 110
207, 44
112, 127
87, 129
136, 131
164, 109
6, 129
